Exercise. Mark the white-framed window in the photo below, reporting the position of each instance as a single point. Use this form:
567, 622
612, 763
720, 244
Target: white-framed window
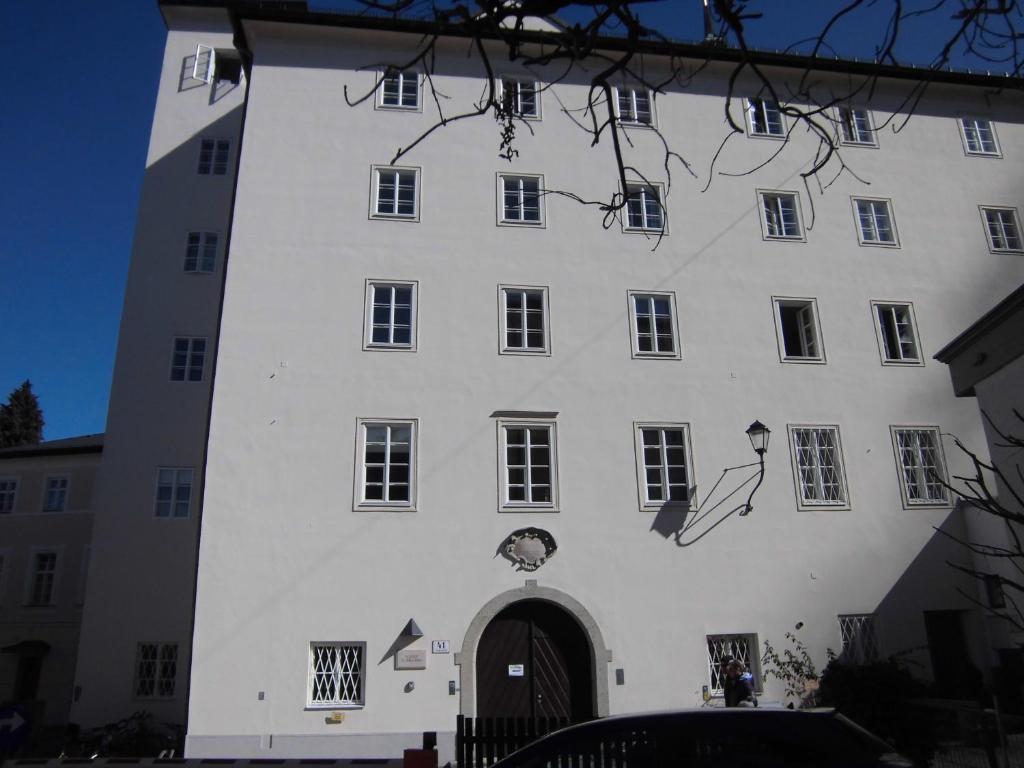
201, 252
8, 494
645, 208
634, 105
653, 328
764, 118
386, 476
855, 127
41, 590
523, 95
55, 493
390, 322
780, 215
214, 65
818, 466
520, 199
663, 464
858, 633
1003, 229
396, 193
156, 670
897, 333
798, 330
399, 89
524, 314
173, 492
875, 224
336, 675
979, 136
922, 467
527, 457
188, 357
721, 648
214, 156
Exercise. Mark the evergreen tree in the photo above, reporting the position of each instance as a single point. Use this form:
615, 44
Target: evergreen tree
21, 418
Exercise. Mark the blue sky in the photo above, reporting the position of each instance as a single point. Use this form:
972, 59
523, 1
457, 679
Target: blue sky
75, 128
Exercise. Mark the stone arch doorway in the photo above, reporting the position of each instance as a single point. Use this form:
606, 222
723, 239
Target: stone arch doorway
558, 644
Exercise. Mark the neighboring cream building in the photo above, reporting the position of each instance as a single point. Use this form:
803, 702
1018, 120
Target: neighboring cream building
352, 385
47, 511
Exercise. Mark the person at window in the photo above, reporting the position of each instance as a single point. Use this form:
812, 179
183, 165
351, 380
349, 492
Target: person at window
738, 685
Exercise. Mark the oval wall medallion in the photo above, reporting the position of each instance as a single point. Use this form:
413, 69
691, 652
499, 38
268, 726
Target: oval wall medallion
528, 548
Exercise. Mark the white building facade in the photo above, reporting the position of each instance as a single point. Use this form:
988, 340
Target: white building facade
389, 373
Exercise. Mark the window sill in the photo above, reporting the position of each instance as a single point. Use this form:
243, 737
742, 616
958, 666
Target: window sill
994, 155
395, 217
388, 347
544, 508
927, 505
904, 363
328, 707
524, 224
663, 232
383, 507
786, 238
1010, 251
398, 107
839, 506
526, 352
657, 355
773, 136
669, 506
879, 244
805, 360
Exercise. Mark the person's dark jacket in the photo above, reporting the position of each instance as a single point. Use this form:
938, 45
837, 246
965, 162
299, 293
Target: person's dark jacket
739, 689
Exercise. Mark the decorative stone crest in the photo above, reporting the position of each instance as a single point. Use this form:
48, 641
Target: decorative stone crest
528, 548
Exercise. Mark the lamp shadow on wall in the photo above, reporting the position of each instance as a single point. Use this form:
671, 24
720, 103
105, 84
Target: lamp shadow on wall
687, 524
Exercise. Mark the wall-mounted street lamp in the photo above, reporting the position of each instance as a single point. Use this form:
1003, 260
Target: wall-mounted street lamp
758, 434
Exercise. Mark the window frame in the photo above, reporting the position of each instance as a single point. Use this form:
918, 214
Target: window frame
11, 493
750, 639
805, 303
503, 423
66, 477
375, 171
1014, 220
31, 573
504, 222
371, 285
211, 168
189, 364
748, 111
762, 196
632, 122
936, 434
382, 76
814, 505
359, 501
156, 696
174, 487
841, 124
968, 152
503, 348
891, 212
200, 257
634, 338
520, 80
876, 307
337, 704
659, 189
647, 505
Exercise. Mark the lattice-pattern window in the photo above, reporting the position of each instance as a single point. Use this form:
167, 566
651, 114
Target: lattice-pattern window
55, 496
400, 90
388, 456
799, 338
391, 315
396, 192
644, 210
654, 327
43, 579
521, 199
721, 648
173, 492
765, 118
521, 96
874, 222
524, 319
528, 471
188, 358
859, 638
213, 157
819, 466
922, 472
634, 106
336, 673
897, 332
201, 252
855, 126
781, 216
156, 670
979, 136
1003, 229
664, 463
8, 492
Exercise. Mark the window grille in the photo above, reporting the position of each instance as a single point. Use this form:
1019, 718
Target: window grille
1003, 232
336, 673
387, 462
643, 208
666, 473
979, 136
156, 669
655, 330
173, 492
635, 106
187, 359
528, 464
859, 638
765, 118
391, 319
856, 126
897, 329
400, 89
521, 199
44, 575
780, 216
396, 192
213, 157
922, 471
875, 222
524, 320
8, 491
740, 647
201, 252
818, 465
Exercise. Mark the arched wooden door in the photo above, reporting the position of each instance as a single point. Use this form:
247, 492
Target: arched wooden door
534, 660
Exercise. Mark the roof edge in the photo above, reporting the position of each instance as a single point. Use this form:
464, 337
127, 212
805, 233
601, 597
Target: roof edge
991, 319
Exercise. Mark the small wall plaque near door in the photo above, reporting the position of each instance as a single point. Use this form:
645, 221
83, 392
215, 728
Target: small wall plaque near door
516, 670
411, 659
